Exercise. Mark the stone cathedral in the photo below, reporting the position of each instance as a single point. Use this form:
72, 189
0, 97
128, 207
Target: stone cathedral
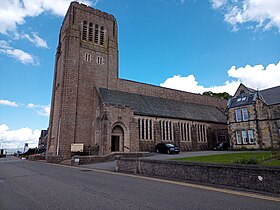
94, 110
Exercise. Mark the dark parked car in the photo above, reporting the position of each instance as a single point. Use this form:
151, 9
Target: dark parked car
221, 146
166, 148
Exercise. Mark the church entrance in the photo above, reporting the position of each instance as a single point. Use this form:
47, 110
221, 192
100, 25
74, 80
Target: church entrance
115, 143
117, 139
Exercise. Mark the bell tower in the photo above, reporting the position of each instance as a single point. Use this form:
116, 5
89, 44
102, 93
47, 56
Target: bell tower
86, 57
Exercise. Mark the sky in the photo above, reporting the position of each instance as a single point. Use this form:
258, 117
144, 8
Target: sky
190, 45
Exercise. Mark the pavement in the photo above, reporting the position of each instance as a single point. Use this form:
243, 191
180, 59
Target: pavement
111, 165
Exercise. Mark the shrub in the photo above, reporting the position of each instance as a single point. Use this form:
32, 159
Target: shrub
252, 160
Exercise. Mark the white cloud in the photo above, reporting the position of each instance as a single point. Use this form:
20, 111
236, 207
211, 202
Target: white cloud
8, 103
40, 109
256, 77
5, 45
14, 12
18, 54
13, 139
187, 83
262, 14
218, 3
36, 40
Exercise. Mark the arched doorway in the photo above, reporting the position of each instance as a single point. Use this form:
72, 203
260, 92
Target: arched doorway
117, 139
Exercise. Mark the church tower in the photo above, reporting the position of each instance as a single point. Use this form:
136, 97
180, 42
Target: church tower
86, 58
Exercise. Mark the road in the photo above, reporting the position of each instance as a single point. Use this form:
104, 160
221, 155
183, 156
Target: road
37, 185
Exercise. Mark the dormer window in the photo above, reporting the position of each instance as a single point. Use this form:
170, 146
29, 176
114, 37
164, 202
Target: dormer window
244, 98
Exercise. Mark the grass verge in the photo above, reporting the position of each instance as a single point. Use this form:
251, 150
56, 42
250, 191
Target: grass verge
259, 157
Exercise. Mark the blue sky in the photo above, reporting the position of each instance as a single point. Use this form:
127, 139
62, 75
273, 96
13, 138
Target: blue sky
191, 45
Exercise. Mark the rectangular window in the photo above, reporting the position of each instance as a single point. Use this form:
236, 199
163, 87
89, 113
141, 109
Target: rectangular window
245, 114
244, 137
221, 138
238, 115
251, 136
238, 137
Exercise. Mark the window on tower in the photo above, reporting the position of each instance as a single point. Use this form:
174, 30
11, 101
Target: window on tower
93, 33
90, 32
102, 35
96, 34
85, 27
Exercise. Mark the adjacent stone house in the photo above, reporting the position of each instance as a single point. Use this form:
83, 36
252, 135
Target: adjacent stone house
254, 118
96, 111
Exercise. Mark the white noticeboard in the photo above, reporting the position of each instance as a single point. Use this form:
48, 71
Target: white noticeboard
77, 147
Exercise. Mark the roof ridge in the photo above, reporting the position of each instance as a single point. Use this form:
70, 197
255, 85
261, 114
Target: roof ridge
160, 98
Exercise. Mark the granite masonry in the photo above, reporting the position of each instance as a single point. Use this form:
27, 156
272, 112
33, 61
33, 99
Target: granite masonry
95, 112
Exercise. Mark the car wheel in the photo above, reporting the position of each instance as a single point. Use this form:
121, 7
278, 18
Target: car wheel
168, 152
157, 151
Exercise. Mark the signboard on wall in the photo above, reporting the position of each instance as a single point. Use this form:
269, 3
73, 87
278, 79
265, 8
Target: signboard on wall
77, 147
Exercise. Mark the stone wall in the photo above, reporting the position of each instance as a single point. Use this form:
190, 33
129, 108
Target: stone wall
53, 159
82, 160
75, 105
263, 120
250, 177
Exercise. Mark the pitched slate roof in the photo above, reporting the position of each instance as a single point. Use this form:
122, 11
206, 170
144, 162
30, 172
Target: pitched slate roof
159, 107
269, 96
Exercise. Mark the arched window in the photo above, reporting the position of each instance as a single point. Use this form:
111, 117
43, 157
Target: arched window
189, 131
139, 128
170, 130
147, 129
143, 128
102, 36
90, 32
151, 130
85, 27
96, 34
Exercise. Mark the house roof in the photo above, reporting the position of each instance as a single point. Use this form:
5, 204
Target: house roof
269, 96
159, 107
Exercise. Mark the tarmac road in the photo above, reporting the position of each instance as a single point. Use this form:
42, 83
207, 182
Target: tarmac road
37, 185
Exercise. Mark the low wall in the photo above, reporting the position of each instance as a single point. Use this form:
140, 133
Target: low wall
53, 159
82, 160
36, 157
250, 177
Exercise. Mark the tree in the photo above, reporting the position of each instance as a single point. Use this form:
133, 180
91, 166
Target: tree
223, 95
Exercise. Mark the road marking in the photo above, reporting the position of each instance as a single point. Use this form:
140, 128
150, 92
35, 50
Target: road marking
232, 192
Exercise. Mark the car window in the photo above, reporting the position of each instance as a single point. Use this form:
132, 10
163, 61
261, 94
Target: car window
169, 145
